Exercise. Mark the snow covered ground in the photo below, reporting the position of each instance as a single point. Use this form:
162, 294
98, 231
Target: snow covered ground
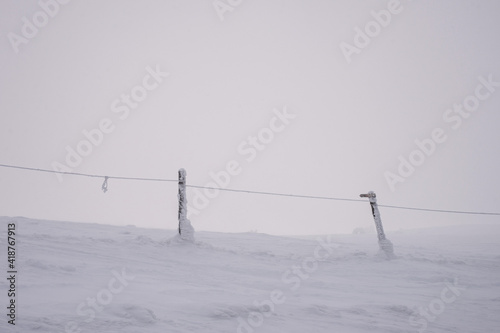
76, 277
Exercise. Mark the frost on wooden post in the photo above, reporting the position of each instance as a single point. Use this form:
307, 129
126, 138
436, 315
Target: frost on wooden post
385, 245
186, 230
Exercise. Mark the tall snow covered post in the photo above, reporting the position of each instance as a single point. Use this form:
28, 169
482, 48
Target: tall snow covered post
186, 230
385, 244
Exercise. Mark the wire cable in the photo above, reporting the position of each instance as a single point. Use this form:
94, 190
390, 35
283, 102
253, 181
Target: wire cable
440, 210
244, 191
87, 175
345, 199
276, 194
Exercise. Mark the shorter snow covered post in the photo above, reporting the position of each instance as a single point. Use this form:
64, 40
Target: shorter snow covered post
384, 243
186, 230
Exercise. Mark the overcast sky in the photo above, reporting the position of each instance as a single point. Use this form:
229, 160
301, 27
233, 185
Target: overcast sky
323, 98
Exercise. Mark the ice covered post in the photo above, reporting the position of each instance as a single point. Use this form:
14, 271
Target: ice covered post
182, 197
384, 243
186, 231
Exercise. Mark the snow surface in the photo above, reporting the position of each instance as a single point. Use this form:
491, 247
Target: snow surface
250, 282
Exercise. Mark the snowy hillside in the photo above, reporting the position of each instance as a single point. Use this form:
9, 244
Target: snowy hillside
75, 277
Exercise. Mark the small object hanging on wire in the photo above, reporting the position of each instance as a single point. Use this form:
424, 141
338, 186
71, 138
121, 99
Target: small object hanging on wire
105, 184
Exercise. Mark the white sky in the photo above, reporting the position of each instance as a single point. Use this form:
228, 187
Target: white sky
225, 78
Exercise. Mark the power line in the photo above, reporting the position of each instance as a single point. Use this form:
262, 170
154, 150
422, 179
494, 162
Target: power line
87, 175
440, 210
276, 194
344, 199
247, 191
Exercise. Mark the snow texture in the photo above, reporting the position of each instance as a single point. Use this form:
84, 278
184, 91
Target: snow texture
77, 277
187, 230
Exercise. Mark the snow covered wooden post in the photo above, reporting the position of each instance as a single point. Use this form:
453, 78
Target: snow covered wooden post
182, 197
186, 231
384, 243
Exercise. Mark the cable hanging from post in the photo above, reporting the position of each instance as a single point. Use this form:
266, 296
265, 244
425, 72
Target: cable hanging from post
88, 175
106, 178
276, 194
440, 210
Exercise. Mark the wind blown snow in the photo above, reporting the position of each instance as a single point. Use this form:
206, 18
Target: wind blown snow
77, 277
